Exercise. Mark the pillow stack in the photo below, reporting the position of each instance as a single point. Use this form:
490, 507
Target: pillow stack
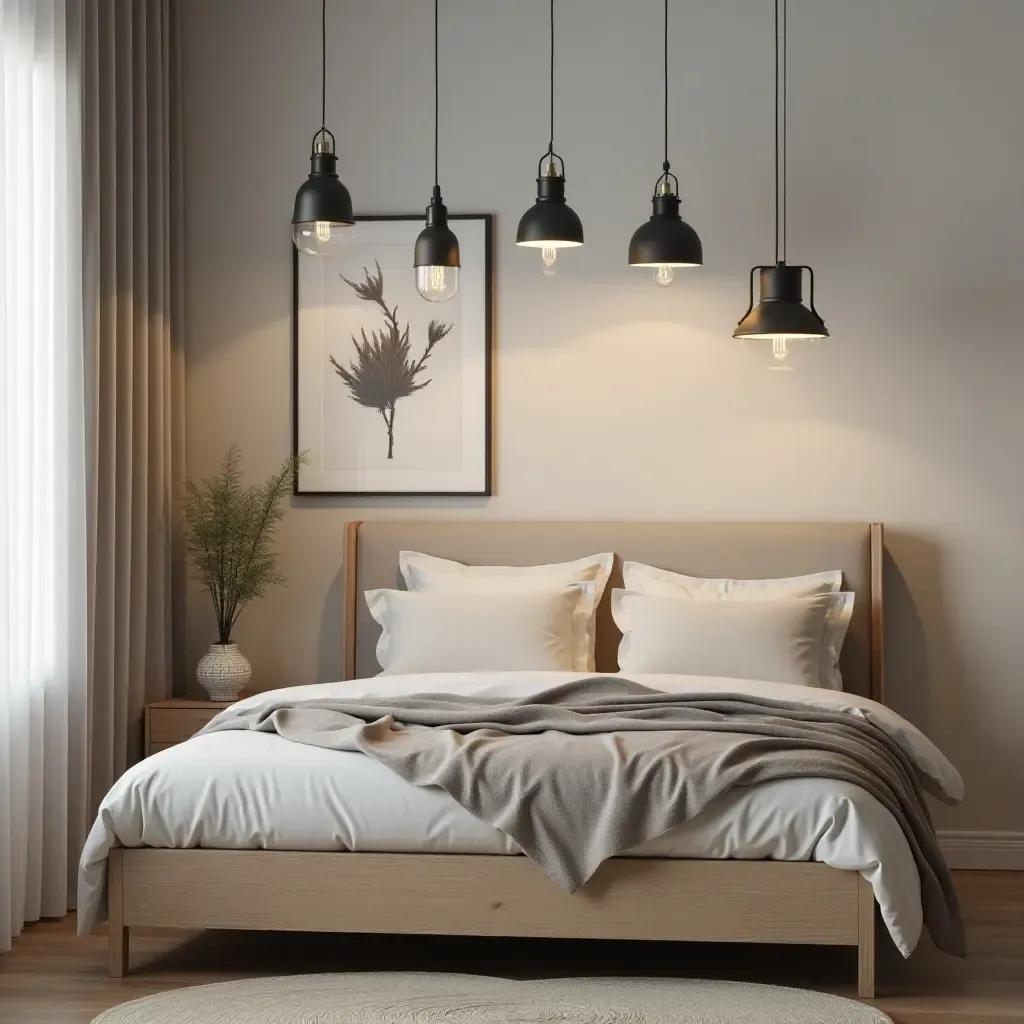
462, 618
784, 630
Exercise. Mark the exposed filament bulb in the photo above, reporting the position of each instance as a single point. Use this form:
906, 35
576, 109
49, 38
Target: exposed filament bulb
780, 349
664, 275
323, 230
548, 255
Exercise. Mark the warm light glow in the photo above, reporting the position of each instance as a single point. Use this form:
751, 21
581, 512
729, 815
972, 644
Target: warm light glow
548, 256
780, 348
664, 275
436, 283
323, 230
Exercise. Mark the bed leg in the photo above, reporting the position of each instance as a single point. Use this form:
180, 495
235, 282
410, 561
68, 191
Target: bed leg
865, 940
117, 933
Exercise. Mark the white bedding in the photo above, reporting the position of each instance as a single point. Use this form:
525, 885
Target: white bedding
241, 790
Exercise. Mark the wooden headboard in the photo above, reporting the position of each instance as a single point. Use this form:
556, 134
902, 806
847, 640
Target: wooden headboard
739, 550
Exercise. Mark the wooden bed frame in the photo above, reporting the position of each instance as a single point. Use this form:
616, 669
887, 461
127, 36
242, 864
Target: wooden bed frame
452, 894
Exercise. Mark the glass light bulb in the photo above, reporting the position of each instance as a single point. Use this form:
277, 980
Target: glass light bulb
664, 275
437, 284
548, 255
320, 237
780, 349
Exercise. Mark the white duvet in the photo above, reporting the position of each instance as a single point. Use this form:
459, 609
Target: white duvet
253, 790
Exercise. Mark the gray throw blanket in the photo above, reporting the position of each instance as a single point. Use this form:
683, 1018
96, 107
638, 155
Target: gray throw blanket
592, 769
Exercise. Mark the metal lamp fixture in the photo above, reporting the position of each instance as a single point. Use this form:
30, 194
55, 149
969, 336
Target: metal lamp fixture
666, 240
781, 316
437, 249
550, 224
323, 207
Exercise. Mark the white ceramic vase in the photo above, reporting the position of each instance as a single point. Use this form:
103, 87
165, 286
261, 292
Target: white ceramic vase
223, 671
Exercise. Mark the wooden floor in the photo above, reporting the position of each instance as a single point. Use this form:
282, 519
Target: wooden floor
53, 977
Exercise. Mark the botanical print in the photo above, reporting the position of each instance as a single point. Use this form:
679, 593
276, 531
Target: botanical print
392, 393
383, 371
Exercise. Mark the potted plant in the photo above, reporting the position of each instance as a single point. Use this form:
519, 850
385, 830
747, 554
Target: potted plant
229, 530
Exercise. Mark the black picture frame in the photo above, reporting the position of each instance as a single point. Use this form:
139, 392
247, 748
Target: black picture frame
487, 490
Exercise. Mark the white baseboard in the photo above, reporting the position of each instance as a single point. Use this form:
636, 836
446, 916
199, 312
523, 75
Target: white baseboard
984, 851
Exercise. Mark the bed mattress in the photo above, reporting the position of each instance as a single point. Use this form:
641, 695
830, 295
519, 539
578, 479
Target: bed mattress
254, 790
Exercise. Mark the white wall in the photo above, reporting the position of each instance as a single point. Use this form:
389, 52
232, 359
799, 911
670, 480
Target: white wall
615, 398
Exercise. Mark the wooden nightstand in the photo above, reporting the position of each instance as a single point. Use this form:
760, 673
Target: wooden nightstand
168, 722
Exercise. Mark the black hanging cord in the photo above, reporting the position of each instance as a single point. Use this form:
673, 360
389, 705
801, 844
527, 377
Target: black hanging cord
671, 182
435, 95
785, 122
665, 165
323, 137
776, 131
551, 73
780, 130
323, 65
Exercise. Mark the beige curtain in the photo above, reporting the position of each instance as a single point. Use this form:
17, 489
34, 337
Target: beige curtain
134, 370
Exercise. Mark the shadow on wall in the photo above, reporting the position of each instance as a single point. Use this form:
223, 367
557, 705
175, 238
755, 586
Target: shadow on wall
927, 680
907, 670
329, 661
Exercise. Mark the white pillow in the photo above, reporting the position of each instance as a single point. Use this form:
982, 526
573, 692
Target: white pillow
471, 632
778, 639
648, 579
429, 574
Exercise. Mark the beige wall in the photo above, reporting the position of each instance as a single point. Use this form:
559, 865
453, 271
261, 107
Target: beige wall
615, 398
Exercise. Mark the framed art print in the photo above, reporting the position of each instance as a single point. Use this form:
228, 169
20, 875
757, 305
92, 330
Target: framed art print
392, 392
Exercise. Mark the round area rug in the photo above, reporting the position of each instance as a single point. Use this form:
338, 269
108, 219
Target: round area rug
466, 999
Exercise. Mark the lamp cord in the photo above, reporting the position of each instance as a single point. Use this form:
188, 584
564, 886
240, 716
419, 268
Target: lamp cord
435, 95
551, 79
323, 65
665, 165
785, 123
781, 184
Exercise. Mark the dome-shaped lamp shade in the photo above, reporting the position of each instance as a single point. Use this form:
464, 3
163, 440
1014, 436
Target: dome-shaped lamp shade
323, 209
781, 313
436, 256
550, 222
666, 239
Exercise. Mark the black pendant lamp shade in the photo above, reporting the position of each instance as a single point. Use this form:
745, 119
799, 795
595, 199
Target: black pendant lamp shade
550, 224
551, 220
666, 240
781, 311
323, 207
436, 257
780, 315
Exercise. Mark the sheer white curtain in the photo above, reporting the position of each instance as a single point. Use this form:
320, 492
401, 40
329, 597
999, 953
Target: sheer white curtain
43, 443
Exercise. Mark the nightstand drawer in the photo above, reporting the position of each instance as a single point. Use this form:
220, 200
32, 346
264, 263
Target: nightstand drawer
173, 721
173, 726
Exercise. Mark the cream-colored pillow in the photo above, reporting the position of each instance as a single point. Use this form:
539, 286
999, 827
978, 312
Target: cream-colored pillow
648, 579
776, 639
474, 631
430, 574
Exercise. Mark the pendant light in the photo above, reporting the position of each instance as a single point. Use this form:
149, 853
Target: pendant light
550, 224
437, 249
666, 240
781, 316
323, 207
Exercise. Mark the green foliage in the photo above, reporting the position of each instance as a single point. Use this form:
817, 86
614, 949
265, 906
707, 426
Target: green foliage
383, 371
229, 529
